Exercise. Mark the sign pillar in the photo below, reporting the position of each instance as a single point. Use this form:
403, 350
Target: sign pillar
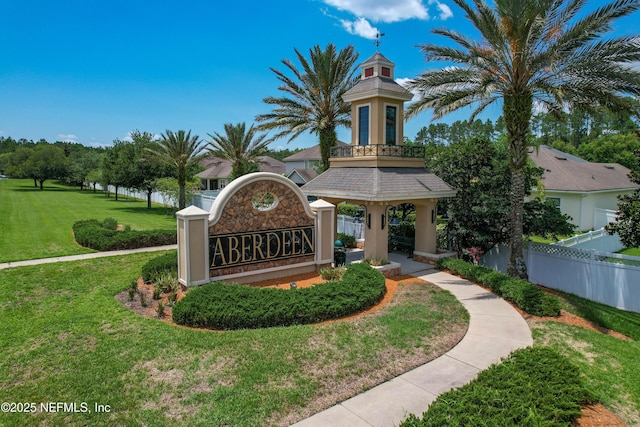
193, 243
325, 214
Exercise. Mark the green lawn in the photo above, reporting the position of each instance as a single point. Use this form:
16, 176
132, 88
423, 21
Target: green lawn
630, 251
65, 338
37, 224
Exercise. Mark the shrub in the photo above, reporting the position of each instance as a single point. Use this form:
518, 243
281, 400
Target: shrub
162, 265
348, 240
533, 386
221, 306
160, 309
93, 234
375, 262
157, 292
524, 294
167, 283
332, 273
110, 223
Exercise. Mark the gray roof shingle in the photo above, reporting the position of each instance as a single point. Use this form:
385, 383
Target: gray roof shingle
378, 184
564, 172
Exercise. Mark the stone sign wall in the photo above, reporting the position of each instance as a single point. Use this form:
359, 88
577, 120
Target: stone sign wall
263, 221
259, 225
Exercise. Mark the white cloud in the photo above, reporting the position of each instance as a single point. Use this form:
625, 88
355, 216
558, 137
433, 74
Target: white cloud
404, 82
445, 11
360, 27
382, 10
67, 138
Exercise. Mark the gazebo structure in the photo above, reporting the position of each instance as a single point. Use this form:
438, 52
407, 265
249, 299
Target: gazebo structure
376, 171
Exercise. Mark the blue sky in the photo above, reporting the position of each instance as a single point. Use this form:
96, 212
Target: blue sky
92, 71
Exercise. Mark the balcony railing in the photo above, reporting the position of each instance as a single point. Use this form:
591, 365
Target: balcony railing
378, 150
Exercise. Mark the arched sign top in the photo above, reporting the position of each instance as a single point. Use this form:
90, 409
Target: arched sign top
227, 193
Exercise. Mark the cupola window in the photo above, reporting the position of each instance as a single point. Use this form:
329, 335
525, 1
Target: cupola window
390, 125
363, 125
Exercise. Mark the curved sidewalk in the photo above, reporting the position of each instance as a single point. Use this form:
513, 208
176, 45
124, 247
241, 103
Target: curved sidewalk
495, 330
84, 256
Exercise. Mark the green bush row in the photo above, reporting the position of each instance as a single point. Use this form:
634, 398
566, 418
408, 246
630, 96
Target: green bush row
525, 295
222, 306
101, 236
534, 386
156, 267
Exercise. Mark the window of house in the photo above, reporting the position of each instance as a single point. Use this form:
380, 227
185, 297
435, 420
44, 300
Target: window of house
363, 125
368, 72
390, 125
386, 71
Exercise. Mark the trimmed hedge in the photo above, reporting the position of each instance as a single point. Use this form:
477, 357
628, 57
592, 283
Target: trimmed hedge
164, 264
221, 306
525, 295
534, 386
97, 235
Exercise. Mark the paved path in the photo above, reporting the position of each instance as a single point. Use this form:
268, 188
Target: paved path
85, 256
495, 330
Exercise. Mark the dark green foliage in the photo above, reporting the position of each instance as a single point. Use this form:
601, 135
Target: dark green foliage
534, 386
164, 264
110, 223
348, 209
349, 241
524, 294
221, 306
627, 223
93, 234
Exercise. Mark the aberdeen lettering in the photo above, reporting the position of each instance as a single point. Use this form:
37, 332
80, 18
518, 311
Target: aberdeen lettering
226, 250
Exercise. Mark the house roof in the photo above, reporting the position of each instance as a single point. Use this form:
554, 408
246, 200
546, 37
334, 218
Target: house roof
564, 172
306, 174
377, 86
216, 167
378, 184
312, 153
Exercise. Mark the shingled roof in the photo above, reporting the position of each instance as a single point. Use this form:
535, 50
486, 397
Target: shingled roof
564, 172
215, 167
378, 184
312, 153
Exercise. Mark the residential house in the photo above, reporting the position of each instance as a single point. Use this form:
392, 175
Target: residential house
301, 167
217, 173
578, 187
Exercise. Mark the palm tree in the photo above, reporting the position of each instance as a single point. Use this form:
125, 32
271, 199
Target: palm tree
181, 151
550, 52
239, 146
315, 100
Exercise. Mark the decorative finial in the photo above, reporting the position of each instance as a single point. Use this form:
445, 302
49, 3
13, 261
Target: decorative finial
377, 42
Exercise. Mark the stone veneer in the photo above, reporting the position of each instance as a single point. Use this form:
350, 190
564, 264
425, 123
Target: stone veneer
239, 215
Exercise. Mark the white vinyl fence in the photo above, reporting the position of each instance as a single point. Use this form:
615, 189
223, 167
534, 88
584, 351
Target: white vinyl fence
599, 240
602, 217
604, 277
347, 226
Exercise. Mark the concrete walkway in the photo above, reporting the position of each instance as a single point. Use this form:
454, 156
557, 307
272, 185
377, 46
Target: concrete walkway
85, 256
495, 330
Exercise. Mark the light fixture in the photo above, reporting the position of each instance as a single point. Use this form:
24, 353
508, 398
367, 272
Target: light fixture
357, 219
433, 216
293, 285
394, 218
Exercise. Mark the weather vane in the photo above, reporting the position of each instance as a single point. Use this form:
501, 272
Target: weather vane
377, 42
